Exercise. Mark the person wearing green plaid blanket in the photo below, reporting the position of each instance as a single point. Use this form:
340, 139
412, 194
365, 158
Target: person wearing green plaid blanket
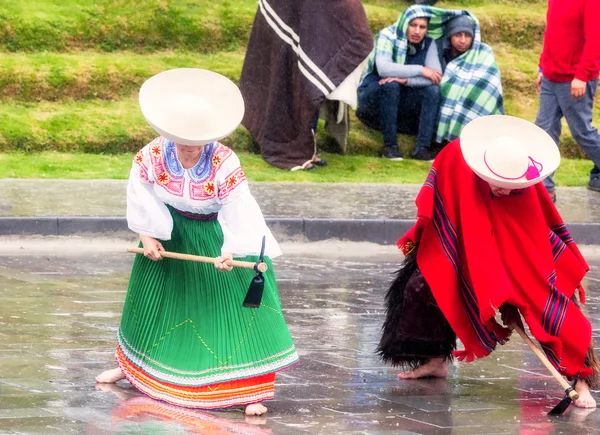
399, 90
397, 95
460, 32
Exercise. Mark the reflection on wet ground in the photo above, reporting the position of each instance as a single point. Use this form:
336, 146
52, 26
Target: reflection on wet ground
59, 314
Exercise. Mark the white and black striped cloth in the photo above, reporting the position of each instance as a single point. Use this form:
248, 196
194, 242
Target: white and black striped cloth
299, 52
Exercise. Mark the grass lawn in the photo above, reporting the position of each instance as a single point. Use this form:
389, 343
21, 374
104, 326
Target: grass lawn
115, 127
63, 77
71, 70
204, 26
51, 76
349, 169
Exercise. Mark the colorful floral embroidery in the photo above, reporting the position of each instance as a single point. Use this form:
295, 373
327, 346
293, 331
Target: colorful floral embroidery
171, 183
232, 181
139, 160
203, 170
156, 149
202, 185
163, 178
217, 160
220, 155
202, 191
171, 161
171, 176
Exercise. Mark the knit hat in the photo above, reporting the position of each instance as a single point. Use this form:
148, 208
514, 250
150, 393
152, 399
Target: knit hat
462, 23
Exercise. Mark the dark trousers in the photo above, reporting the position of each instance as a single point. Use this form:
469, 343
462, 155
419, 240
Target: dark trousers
556, 102
393, 108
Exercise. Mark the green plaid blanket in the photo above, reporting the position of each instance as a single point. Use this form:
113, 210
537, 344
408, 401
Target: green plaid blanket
471, 86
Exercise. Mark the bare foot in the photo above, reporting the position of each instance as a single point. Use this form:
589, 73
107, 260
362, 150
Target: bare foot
585, 397
255, 409
435, 367
110, 376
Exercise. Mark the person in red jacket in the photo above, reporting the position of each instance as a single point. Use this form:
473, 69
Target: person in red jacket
568, 77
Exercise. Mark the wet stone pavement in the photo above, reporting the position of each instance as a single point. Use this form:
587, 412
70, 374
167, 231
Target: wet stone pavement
41, 198
61, 303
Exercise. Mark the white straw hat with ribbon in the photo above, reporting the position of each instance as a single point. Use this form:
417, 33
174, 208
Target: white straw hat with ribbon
191, 106
508, 152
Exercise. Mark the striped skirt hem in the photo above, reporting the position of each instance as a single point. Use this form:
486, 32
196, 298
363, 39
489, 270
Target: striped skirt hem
214, 396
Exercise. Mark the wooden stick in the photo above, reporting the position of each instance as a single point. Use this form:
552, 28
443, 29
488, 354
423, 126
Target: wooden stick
262, 267
566, 386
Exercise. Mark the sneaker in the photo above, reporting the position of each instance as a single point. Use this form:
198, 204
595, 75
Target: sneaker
594, 184
392, 153
422, 153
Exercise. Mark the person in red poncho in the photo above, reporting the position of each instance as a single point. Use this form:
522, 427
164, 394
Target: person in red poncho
488, 238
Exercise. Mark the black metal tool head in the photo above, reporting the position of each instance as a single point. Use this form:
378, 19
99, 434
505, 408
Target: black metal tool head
261, 257
255, 291
562, 406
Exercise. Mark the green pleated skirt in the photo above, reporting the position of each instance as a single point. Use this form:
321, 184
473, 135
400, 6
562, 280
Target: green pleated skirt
185, 337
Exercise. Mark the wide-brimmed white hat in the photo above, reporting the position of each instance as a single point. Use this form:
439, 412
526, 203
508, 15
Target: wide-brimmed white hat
191, 106
508, 152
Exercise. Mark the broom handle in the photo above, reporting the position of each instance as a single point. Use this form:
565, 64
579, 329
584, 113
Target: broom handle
572, 393
262, 267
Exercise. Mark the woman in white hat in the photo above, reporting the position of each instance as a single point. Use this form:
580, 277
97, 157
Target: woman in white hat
489, 239
185, 337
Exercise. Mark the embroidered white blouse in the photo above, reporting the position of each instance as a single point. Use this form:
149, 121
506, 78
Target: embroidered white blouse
216, 184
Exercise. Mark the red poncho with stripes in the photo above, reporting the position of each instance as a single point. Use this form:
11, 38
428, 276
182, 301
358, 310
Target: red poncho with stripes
477, 251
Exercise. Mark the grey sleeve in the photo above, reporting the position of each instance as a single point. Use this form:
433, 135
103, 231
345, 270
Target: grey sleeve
418, 82
431, 61
386, 67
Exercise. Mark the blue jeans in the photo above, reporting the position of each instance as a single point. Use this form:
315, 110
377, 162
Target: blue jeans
392, 108
556, 102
